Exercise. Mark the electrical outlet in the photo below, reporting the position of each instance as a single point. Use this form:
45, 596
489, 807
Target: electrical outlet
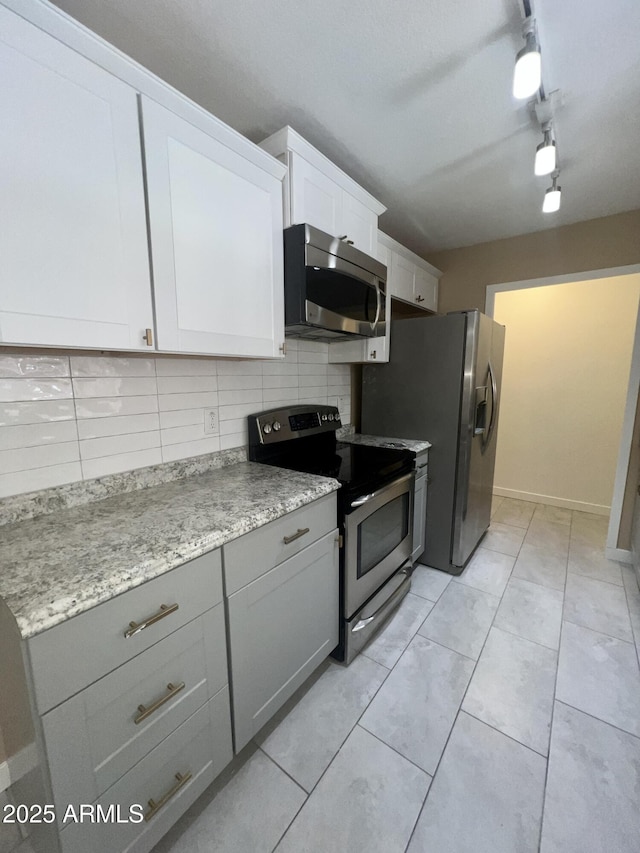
211, 421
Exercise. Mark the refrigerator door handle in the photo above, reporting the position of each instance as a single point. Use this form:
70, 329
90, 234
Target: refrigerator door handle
480, 423
494, 405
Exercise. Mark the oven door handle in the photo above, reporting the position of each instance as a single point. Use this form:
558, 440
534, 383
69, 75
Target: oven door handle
366, 498
362, 623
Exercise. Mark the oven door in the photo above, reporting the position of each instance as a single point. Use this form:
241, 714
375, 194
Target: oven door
378, 537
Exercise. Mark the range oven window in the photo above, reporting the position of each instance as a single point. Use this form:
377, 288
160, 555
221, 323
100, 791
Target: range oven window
381, 532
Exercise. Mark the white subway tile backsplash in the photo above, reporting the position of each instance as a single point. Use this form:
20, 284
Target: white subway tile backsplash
186, 384
39, 478
107, 407
30, 366
172, 402
186, 366
32, 435
121, 462
115, 386
101, 427
112, 445
65, 418
42, 411
100, 365
25, 458
171, 452
181, 417
15, 390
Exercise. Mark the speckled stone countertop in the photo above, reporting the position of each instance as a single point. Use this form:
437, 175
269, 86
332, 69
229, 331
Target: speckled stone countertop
386, 441
61, 564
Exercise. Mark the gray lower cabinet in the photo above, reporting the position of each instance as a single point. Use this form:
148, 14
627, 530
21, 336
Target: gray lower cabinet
143, 720
419, 507
283, 622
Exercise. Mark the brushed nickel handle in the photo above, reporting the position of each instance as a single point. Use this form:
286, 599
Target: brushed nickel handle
145, 712
148, 337
299, 532
154, 807
135, 627
419, 298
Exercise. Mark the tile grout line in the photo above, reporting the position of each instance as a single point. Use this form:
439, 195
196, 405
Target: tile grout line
598, 719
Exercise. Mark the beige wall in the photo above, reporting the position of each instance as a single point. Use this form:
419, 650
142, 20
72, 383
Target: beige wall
567, 358
611, 241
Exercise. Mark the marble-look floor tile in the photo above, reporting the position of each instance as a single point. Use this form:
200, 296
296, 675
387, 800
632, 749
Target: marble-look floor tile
396, 635
599, 675
429, 583
496, 503
557, 514
589, 529
590, 561
305, 735
597, 605
486, 796
633, 600
538, 564
10, 836
461, 619
250, 812
505, 538
512, 688
368, 800
488, 571
531, 611
551, 535
515, 512
591, 802
415, 708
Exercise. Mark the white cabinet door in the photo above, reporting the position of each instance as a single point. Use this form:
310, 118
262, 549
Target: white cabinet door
315, 198
359, 224
426, 290
216, 242
401, 277
73, 243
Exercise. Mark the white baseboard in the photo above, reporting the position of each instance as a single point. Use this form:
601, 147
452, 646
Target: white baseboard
566, 503
620, 555
16, 766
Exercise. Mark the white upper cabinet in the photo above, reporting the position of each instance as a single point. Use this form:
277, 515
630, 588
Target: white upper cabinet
216, 242
409, 277
73, 243
322, 195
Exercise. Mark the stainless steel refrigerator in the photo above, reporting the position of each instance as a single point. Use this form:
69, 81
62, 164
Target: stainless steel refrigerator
442, 384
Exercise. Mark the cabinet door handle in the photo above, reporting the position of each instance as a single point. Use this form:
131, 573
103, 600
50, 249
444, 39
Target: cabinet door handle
145, 712
148, 337
345, 237
154, 807
299, 532
135, 627
419, 298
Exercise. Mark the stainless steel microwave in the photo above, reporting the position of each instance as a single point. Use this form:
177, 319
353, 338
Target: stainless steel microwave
332, 290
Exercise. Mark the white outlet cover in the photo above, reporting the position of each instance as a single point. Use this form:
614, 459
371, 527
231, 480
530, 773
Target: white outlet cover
211, 422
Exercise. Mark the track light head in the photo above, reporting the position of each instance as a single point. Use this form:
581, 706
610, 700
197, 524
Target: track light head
527, 74
551, 202
546, 159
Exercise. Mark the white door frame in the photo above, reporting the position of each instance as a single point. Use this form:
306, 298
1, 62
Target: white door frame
626, 438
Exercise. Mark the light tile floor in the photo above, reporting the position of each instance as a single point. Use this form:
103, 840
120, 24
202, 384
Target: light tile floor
497, 712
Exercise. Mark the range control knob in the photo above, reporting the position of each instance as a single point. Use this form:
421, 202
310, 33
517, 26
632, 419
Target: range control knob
330, 416
266, 429
324, 417
277, 425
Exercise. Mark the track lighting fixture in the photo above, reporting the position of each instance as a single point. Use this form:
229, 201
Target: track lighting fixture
546, 159
551, 201
527, 75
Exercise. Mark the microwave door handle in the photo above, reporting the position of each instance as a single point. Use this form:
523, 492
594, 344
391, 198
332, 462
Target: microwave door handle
378, 308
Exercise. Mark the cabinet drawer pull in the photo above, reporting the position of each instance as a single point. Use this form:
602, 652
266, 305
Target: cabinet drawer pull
136, 627
154, 807
299, 532
145, 712
419, 298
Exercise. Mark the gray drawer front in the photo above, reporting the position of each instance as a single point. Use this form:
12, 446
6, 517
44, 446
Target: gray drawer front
69, 657
201, 746
253, 554
100, 721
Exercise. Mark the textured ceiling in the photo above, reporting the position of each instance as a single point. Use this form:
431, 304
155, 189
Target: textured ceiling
412, 99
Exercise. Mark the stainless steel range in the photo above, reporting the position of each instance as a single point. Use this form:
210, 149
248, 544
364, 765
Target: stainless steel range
375, 510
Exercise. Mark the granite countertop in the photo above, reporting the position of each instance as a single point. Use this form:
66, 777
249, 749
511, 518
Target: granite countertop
386, 441
58, 565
